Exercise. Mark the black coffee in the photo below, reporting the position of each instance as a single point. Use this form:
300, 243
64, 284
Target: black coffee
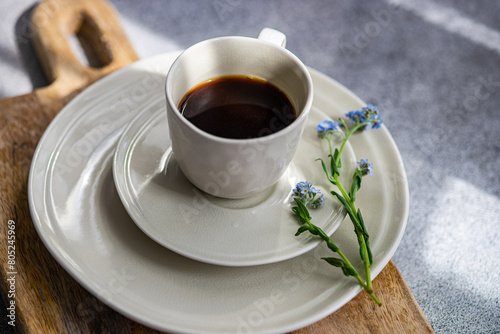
237, 107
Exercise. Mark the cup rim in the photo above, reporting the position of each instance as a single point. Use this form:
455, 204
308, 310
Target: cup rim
304, 112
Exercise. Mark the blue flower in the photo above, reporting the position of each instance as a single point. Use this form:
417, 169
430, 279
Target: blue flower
307, 194
301, 189
317, 201
370, 108
327, 127
365, 167
356, 116
368, 115
376, 121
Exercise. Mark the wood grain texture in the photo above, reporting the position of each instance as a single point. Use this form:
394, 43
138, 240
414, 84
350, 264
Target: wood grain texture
399, 312
95, 23
49, 300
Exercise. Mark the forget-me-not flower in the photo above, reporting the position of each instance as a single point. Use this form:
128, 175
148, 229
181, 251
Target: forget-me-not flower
327, 127
307, 194
365, 167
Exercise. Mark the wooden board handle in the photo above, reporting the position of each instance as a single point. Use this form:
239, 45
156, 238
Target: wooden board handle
54, 21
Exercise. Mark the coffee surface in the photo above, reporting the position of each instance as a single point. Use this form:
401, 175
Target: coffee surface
238, 107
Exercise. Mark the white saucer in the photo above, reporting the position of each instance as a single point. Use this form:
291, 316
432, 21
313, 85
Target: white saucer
252, 231
82, 222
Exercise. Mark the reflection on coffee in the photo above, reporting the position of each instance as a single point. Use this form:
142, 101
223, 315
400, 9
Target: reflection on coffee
238, 107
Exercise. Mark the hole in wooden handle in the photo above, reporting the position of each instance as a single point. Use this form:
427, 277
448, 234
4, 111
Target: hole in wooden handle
87, 44
78, 42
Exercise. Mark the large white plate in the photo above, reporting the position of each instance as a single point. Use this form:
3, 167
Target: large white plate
252, 231
80, 218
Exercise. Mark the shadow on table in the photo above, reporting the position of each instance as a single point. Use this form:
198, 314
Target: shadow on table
24, 35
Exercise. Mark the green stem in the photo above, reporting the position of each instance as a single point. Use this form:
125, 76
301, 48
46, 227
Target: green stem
347, 135
375, 299
366, 286
360, 280
367, 268
358, 233
344, 193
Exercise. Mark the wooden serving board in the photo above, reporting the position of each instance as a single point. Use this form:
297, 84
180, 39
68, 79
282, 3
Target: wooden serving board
47, 298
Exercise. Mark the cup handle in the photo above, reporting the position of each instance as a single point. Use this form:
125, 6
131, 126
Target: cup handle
273, 36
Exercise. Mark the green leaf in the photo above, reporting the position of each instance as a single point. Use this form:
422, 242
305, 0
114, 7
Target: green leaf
321, 233
333, 247
334, 261
324, 167
362, 252
348, 208
325, 237
341, 199
333, 166
299, 206
362, 224
314, 229
303, 220
370, 256
356, 184
302, 209
299, 215
347, 270
366, 236
308, 227
302, 229
336, 156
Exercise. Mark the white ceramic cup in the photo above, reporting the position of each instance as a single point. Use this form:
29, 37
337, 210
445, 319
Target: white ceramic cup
236, 168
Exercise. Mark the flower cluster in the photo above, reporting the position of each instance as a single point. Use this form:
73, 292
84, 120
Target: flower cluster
326, 128
365, 167
304, 193
307, 194
368, 114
